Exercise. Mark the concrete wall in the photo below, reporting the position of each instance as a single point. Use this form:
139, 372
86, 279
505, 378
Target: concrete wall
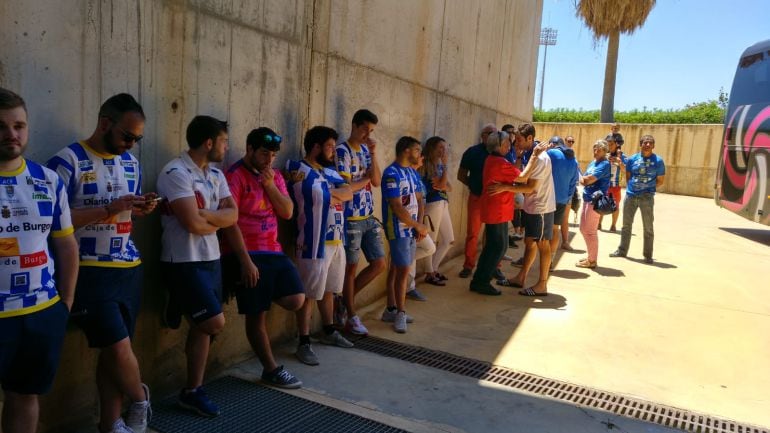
425, 67
691, 152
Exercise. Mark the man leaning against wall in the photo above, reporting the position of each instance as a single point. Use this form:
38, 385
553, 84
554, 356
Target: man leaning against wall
103, 182
34, 298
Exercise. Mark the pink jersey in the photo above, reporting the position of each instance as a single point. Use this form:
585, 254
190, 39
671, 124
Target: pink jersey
256, 217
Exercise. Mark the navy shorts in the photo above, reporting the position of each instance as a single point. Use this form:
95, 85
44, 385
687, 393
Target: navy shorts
558, 215
107, 303
538, 226
278, 278
30, 346
196, 287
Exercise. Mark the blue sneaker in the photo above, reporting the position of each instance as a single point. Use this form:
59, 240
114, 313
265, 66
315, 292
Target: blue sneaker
415, 295
197, 401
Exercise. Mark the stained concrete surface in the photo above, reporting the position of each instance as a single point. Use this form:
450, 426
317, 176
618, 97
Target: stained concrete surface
690, 331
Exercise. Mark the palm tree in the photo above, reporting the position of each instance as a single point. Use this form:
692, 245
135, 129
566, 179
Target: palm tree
608, 19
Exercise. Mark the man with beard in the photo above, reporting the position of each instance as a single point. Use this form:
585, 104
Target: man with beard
319, 192
197, 203
400, 214
34, 300
103, 182
253, 263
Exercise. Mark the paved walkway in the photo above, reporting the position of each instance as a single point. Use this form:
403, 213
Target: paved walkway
691, 331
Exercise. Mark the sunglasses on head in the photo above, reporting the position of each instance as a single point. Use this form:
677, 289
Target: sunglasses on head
272, 138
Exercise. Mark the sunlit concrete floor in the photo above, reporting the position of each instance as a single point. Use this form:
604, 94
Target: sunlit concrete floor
691, 330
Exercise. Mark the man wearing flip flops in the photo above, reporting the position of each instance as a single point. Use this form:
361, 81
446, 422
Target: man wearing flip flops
539, 207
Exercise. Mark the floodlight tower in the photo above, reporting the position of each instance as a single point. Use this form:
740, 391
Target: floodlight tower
547, 37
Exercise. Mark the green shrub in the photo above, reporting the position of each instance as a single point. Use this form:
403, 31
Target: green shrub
701, 112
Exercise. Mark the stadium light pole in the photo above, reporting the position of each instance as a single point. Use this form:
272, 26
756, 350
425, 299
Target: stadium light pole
547, 37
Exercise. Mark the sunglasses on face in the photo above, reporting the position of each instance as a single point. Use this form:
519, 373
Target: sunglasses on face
570, 141
127, 136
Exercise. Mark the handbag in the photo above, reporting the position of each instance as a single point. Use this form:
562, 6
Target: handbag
603, 204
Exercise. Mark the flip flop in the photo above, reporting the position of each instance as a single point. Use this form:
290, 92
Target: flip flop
508, 283
530, 292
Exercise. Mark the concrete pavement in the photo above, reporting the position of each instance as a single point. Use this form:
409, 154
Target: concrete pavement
690, 331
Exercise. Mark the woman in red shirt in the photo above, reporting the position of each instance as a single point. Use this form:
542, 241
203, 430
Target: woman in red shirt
497, 202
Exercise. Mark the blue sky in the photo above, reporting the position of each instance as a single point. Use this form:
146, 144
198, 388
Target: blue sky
684, 53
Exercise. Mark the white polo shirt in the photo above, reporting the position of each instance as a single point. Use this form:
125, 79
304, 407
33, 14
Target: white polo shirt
181, 178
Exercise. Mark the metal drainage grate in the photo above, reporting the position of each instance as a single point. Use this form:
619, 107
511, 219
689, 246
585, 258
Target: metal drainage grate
561, 391
248, 407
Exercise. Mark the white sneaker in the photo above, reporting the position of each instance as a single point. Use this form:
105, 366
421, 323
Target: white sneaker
120, 427
390, 316
139, 413
399, 325
354, 326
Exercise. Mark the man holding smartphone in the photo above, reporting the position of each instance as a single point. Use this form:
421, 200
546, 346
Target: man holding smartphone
103, 182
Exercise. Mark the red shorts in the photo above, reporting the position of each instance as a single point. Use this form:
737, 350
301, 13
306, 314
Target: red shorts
614, 191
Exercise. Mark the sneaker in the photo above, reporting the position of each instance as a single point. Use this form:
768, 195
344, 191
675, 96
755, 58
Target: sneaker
518, 236
340, 312
172, 316
519, 262
415, 295
617, 253
336, 339
120, 427
198, 401
465, 273
507, 257
355, 327
399, 325
139, 413
390, 316
281, 378
306, 355
648, 260
498, 274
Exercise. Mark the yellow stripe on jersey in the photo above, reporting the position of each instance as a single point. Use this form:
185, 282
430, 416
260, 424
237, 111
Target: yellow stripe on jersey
16, 172
64, 232
98, 264
29, 310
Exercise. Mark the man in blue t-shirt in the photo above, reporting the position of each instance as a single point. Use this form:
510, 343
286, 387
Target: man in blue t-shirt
645, 172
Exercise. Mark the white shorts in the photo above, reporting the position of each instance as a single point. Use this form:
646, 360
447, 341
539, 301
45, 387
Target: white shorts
323, 275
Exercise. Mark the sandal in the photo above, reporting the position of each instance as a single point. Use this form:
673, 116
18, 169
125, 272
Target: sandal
530, 292
585, 263
505, 282
436, 281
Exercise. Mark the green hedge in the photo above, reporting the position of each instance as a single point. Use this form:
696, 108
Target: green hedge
703, 112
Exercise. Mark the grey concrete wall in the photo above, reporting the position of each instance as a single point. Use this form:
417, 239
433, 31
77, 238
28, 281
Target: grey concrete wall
691, 152
427, 67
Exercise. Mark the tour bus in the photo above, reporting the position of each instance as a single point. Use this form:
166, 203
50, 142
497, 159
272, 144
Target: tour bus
743, 175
